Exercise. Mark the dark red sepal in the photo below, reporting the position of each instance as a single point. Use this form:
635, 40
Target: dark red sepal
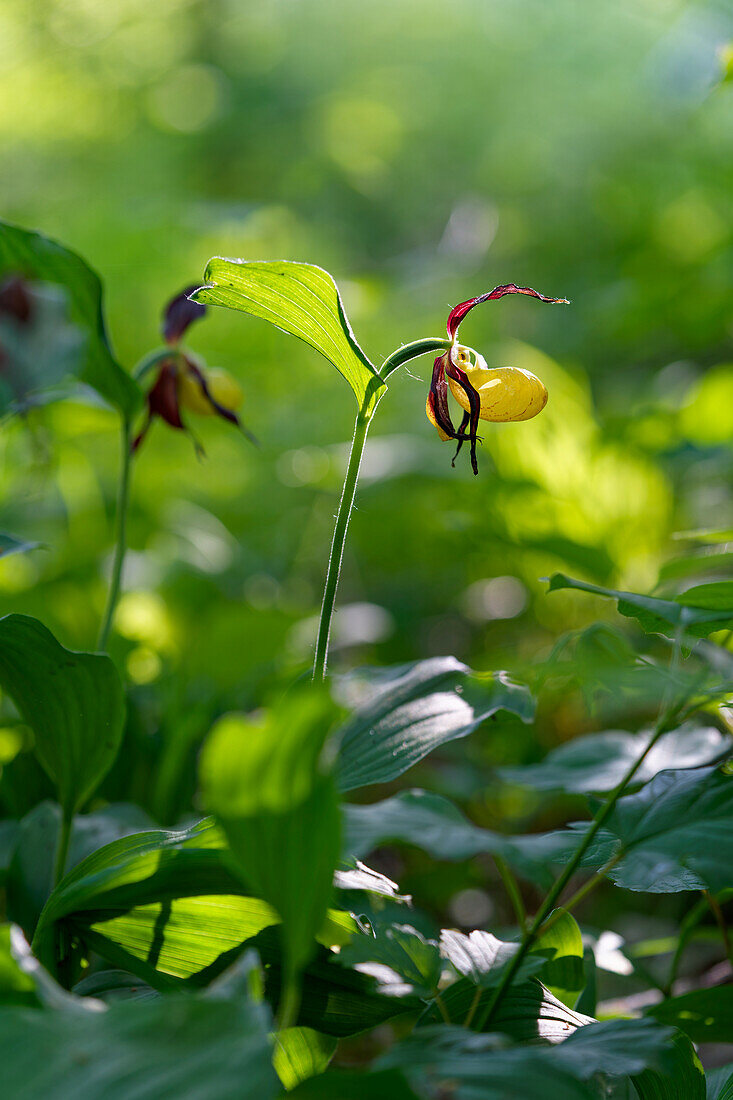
458, 312
179, 314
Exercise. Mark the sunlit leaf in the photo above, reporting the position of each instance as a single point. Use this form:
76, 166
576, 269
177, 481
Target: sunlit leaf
483, 958
404, 712
598, 761
73, 702
562, 945
39, 259
300, 299
527, 1012
398, 957
675, 834
301, 1053
271, 787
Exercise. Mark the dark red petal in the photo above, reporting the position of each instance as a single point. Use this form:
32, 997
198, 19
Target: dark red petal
460, 376
458, 312
221, 410
15, 299
163, 397
438, 397
179, 314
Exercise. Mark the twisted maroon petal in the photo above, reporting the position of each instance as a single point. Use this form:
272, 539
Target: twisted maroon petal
179, 314
221, 410
163, 397
458, 375
458, 312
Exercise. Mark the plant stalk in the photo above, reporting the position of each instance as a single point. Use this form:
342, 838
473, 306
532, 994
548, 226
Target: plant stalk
123, 498
62, 848
348, 494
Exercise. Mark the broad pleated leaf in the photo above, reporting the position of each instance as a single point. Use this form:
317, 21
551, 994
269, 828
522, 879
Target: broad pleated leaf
720, 1083
598, 761
434, 824
479, 1066
483, 958
385, 1084
527, 1012
400, 959
178, 1046
39, 259
676, 833
301, 1053
705, 1015
695, 612
73, 702
300, 299
271, 787
404, 712
562, 945
683, 1077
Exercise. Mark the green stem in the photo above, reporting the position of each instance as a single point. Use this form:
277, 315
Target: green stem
62, 848
720, 921
512, 888
336, 555
348, 493
287, 1014
123, 496
667, 712
411, 351
585, 889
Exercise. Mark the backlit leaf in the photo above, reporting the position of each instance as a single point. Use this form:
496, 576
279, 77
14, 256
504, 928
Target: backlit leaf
73, 702
300, 299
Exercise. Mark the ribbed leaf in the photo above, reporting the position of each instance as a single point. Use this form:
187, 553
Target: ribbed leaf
598, 761
562, 945
301, 1053
404, 712
39, 259
705, 1015
698, 611
300, 299
73, 702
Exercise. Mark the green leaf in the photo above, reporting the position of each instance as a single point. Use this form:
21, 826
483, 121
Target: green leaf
482, 1068
720, 1083
683, 1078
10, 545
398, 957
40, 259
30, 875
562, 945
16, 986
598, 761
73, 702
178, 1046
483, 958
705, 1015
404, 712
435, 825
527, 1012
300, 299
689, 612
676, 833
272, 789
301, 1053
386, 1084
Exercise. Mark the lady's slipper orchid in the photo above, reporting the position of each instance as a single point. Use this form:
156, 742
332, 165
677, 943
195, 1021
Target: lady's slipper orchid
183, 382
498, 394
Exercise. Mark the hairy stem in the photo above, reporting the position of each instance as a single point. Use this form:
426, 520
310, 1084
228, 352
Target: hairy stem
123, 496
348, 494
336, 555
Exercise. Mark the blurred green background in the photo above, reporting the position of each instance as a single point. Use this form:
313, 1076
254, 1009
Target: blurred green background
423, 153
